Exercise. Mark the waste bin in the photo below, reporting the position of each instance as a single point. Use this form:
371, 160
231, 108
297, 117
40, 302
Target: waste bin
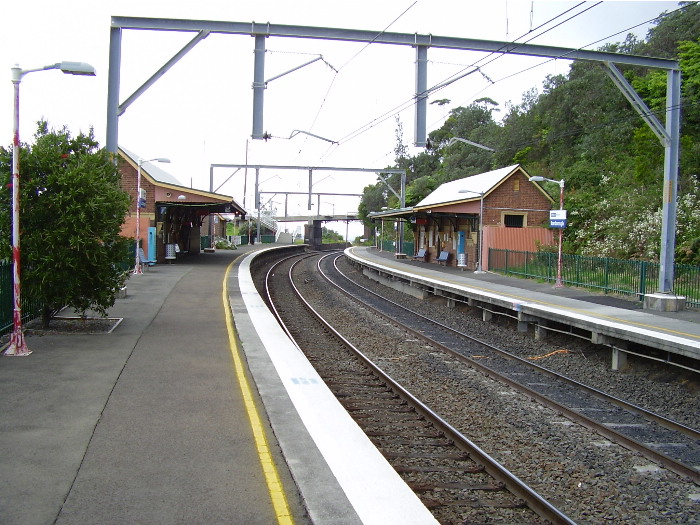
170, 252
462, 260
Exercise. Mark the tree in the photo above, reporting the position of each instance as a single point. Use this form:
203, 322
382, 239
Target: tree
582, 129
329, 236
374, 198
72, 208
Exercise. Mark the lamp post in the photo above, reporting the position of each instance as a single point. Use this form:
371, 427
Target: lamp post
137, 265
18, 346
559, 283
381, 239
481, 225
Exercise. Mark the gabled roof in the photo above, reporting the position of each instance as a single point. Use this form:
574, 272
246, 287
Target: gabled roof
483, 183
163, 179
151, 168
205, 200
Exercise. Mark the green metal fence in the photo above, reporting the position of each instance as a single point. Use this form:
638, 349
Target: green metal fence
390, 246
30, 309
617, 276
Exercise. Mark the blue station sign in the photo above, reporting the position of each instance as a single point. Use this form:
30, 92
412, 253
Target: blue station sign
557, 219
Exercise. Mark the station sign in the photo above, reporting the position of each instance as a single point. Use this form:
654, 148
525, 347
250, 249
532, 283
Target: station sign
557, 219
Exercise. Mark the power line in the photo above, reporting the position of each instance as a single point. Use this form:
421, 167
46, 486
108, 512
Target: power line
410, 102
563, 56
325, 97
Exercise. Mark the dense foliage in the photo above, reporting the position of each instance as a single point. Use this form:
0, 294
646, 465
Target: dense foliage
330, 236
72, 208
582, 129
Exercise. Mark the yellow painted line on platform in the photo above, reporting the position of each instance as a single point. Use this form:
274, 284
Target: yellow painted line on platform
530, 300
274, 484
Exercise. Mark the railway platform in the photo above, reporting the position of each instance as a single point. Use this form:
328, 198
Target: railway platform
196, 408
184, 413
605, 319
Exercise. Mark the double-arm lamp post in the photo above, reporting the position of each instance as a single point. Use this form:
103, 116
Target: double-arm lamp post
559, 283
18, 346
480, 194
137, 265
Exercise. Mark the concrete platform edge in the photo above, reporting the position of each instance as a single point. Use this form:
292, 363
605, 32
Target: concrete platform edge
323, 497
347, 468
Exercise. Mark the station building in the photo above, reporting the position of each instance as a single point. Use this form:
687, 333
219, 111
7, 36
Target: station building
513, 212
173, 218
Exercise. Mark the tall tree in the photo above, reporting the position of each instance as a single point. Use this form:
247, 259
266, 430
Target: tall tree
71, 212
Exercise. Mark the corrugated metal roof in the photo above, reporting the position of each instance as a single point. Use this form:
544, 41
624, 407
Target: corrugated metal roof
449, 192
152, 169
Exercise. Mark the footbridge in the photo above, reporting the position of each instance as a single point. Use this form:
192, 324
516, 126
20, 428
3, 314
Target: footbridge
349, 216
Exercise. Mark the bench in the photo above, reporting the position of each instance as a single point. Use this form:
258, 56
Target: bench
443, 258
420, 255
400, 255
145, 263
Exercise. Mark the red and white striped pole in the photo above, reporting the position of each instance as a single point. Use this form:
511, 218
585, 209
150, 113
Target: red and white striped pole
17, 347
137, 265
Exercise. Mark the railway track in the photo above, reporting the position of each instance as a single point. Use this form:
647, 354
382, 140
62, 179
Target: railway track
458, 481
668, 443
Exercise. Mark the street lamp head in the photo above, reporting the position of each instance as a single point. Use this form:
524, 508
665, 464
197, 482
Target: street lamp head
77, 68
157, 159
70, 68
538, 178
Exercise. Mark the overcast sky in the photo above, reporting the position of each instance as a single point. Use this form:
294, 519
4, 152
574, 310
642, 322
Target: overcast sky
200, 112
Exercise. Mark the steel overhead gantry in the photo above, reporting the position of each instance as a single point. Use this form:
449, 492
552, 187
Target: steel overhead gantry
287, 218
379, 171
670, 137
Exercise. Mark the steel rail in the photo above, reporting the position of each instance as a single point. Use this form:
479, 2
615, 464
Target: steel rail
611, 434
513, 484
271, 303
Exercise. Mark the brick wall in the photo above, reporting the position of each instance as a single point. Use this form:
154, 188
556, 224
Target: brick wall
129, 184
517, 195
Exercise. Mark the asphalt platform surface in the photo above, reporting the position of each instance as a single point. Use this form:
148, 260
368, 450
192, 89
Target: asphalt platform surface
145, 424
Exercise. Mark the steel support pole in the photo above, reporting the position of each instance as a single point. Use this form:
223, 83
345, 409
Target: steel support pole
479, 267
258, 87
671, 154
257, 202
421, 95
403, 205
115, 58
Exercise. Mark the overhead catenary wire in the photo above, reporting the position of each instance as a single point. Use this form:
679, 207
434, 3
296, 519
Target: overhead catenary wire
337, 71
441, 85
556, 58
409, 103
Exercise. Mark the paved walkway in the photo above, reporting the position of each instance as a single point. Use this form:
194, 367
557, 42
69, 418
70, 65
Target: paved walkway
143, 425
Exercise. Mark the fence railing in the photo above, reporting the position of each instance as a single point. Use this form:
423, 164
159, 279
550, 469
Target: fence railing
390, 246
30, 309
617, 276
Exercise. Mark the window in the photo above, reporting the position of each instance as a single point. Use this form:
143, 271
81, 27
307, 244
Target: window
513, 221
516, 185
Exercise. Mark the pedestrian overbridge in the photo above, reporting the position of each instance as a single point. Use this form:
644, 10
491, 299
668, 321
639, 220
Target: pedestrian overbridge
353, 216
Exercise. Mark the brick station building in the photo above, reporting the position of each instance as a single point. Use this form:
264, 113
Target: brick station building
515, 217
172, 214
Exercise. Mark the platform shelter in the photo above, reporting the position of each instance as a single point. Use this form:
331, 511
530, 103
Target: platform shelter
173, 217
466, 217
